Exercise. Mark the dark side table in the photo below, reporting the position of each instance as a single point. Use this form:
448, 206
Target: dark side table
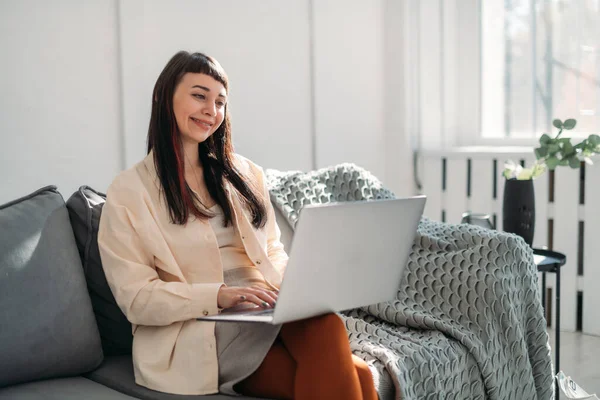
551, 261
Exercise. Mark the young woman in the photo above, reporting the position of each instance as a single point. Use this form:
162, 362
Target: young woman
190, 230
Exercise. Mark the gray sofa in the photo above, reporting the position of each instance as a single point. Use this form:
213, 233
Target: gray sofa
61, 334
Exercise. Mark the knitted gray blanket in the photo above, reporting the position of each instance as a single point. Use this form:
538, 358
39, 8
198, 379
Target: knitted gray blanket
467, 322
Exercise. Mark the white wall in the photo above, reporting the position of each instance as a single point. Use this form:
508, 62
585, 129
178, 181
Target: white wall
400, 117
349, 83
262, 45
59, 115
309, 83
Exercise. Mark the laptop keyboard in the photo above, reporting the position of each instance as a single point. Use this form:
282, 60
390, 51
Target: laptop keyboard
263, 312
259, 312
249, 312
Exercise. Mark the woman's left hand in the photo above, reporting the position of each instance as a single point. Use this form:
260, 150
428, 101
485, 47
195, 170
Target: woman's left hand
234, 295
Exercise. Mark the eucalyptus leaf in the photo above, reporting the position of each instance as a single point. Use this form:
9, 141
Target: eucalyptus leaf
541, 152
594, 140
574, 163
545, 139
552, 162
553, 148
569, 124
557, 123
567, 148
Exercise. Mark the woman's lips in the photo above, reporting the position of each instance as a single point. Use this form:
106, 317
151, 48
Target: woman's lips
201, 123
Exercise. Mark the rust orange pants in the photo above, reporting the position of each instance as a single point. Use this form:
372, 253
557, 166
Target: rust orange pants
311, 359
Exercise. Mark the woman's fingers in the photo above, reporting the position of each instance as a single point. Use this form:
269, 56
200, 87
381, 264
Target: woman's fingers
266, 295
257, 296
256, 300
231, 296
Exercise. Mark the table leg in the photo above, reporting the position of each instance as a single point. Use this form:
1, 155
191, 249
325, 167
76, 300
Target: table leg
544, 295
557, 329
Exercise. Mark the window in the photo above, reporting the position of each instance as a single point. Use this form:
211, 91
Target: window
540, 59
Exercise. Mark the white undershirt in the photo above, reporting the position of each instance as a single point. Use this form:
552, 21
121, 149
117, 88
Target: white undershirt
238, 269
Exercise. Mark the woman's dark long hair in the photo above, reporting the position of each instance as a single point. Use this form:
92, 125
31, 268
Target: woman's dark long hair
216, 153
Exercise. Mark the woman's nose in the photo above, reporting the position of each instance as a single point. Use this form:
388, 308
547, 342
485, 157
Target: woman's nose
210, 109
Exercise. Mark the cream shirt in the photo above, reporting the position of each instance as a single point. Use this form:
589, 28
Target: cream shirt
165, 275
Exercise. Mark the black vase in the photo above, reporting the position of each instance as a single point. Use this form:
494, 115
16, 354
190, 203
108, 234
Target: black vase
518, 208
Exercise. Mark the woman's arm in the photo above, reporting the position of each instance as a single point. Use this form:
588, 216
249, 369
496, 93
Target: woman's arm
129, 267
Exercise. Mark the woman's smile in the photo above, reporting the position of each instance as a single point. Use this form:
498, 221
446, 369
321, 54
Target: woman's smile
202, 123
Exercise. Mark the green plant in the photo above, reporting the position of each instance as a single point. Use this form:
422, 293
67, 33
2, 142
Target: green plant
554, 152
561, 152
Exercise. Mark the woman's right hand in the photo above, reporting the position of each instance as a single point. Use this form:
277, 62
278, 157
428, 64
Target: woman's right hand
232, 296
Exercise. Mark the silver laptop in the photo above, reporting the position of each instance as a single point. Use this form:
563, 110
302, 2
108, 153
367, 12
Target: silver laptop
344, 255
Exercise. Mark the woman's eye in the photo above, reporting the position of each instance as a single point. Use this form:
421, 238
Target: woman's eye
200, 96
221, 103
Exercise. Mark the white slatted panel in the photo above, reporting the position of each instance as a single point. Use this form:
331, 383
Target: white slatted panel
565, 215
540, 186
456, 189
432, 186
540, 237
591, 266
482, 181
499, 193
566, 199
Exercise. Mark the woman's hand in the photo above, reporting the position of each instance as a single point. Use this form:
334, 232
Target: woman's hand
232, 296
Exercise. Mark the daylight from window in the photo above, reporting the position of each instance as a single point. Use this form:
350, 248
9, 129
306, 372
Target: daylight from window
540, 60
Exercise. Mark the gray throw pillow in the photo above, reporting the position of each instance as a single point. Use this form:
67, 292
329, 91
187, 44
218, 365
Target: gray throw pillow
85, 208
47, 327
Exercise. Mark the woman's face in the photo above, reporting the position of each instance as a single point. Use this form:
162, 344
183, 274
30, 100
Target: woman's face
199, 106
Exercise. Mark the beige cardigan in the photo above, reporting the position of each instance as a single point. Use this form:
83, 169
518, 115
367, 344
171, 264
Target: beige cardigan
165, 275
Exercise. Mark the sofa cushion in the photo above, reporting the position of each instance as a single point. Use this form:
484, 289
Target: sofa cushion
117, 372
62, 389
85, 208
47, 326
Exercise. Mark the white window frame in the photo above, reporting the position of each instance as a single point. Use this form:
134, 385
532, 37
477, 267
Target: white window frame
443, 55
